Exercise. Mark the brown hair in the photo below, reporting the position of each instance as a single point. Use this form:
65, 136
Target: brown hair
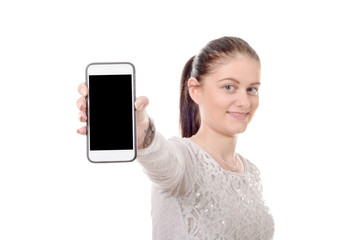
214, 53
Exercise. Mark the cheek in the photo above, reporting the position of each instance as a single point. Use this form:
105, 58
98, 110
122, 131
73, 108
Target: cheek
214, 101
219, 105
213, 109
254, 104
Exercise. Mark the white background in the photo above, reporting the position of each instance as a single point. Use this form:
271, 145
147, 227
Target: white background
304, 137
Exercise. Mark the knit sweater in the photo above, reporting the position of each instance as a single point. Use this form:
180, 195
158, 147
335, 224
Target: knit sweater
193, 197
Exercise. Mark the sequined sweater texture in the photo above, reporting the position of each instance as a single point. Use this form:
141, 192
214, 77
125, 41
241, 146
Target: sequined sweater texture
194, 198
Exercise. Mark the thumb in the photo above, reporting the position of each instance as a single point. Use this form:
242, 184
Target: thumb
141, 103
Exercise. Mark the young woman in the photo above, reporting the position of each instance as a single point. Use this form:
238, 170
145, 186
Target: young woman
203, 189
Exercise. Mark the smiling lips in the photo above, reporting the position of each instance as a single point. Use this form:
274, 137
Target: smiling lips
239, 115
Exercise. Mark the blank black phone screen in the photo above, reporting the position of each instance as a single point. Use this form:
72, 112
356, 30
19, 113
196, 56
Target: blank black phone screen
111, 113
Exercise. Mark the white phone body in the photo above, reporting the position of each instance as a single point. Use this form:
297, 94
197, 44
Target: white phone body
111, 124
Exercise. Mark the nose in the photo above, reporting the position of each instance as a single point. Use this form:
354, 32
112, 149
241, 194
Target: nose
242, 99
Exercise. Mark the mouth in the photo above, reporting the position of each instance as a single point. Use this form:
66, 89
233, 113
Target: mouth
239, 115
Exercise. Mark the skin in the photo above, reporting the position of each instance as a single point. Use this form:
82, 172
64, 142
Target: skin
223, 97
227, 99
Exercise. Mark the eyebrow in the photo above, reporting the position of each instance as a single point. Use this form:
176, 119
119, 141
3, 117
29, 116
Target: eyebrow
234, 80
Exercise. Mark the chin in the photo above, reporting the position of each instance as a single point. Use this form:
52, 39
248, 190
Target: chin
241, 131
237, 131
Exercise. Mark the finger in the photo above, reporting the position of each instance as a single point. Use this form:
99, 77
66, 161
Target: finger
83, 90
82, 116
81, 104
141, 116
141, 103
82, 130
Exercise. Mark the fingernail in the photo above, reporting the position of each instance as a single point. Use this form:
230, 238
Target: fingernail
140, 107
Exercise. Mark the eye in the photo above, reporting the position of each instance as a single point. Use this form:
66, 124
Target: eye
229, 88
253, 91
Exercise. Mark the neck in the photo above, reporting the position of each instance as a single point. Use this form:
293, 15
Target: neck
220, 145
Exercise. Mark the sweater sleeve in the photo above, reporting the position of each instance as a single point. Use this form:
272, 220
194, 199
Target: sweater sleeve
168, 164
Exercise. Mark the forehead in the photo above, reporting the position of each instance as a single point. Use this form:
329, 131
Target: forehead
242, 68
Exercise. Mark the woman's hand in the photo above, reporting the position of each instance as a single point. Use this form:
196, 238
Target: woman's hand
81, 104
142, 120
144, 128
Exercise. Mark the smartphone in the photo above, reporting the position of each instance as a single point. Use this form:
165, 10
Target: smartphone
111, 123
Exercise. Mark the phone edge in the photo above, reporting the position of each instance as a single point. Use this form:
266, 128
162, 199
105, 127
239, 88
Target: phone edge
134, 113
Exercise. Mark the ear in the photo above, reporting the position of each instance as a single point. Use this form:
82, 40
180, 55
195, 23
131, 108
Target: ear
194, 89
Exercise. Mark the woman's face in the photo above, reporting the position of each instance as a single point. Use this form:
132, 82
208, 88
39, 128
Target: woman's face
228, 97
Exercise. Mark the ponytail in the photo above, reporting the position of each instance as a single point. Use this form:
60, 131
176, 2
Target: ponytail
213, 54
189, 110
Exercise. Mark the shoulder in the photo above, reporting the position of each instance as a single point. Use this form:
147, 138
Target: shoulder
250, 166
185, 144
253, 174
181, 144
179, 141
